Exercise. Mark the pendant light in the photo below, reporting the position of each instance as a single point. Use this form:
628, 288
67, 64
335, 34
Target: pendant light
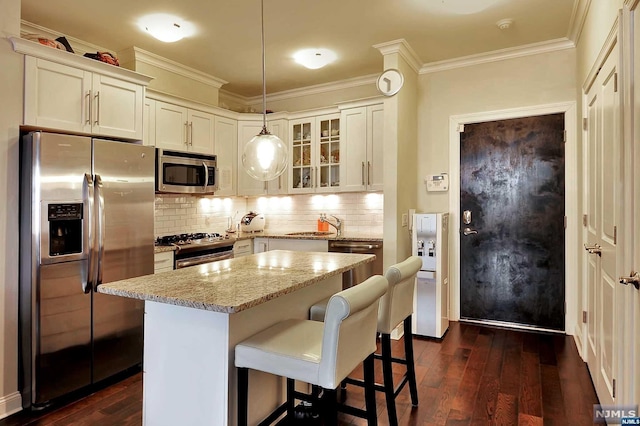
265, 156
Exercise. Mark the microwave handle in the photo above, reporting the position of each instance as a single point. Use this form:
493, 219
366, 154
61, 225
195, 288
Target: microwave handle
206, 174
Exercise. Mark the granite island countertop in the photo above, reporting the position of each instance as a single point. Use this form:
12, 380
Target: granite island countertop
234, 285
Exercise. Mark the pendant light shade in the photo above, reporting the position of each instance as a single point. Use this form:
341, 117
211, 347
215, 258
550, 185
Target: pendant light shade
265, 156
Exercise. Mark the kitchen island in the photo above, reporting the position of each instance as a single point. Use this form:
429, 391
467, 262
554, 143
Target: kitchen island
195, 316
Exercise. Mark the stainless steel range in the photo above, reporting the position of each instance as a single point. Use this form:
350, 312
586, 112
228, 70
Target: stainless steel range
196, 249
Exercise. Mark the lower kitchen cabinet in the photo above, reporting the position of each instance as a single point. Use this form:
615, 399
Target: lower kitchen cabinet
242, 248
163, 262
266, 244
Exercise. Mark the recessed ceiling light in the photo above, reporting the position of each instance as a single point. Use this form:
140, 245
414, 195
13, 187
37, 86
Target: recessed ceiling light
314, 58
165, 27
460, 7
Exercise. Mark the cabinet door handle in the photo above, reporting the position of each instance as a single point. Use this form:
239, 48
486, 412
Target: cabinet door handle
186, 133
97, 99
368, 172
87, 100
280, 182
363, 173
191, 133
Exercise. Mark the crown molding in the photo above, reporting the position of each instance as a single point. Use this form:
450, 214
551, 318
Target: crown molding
499, 55
37, 50
80, 47
313, 90
631, 4
403, 48
578, 17
139, 55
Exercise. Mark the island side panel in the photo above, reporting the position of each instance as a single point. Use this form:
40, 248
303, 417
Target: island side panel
185, 350
266, 392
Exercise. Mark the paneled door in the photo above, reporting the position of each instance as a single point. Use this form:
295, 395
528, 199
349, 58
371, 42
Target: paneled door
603, 198
512, 229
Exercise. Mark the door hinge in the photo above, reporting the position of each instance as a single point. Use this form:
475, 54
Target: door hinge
614, 389
615, 83
585, 124
615, 235
564, 136
460, 128
584, 317
565, 222
585, 221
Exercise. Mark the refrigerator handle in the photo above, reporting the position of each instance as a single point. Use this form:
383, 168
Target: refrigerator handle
87, 282
100, 228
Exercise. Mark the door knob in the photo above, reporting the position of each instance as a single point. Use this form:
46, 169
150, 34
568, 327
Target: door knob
469, 231
594, 249
633, 278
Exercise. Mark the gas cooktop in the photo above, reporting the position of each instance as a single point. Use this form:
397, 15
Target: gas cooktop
195, 242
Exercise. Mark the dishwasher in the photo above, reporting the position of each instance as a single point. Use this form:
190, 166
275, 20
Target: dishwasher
361, 273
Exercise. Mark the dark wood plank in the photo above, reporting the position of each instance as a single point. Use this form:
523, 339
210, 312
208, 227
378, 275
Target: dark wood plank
474, 376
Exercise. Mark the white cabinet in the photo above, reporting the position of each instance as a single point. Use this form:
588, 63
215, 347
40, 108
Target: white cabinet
247, 185
163, 262
362, 153
68, 98
184, 129
149, 120
266, 244
242, 248
314, 158
226, 143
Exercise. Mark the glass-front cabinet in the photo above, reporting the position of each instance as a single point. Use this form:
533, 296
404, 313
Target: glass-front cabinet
315, 154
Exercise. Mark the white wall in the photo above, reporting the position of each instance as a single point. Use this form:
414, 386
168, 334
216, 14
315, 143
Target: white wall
10, 118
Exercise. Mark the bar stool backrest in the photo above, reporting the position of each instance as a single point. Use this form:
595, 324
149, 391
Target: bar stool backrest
397, 303
349, 330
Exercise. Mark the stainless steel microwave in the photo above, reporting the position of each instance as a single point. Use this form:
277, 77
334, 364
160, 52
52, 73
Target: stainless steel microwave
185, 173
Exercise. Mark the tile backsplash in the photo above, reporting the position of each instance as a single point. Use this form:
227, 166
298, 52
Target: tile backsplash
361, 212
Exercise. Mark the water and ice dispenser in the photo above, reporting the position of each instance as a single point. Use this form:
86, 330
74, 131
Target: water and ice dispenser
430, 241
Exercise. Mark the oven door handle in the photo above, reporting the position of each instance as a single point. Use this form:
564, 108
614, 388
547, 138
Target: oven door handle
199, 260
206, 175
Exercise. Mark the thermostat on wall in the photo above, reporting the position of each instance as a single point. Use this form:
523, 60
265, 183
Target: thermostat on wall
437, 182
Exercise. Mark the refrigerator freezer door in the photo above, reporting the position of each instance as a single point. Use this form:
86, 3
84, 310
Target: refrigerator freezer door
63, 356
127, 173
59, 168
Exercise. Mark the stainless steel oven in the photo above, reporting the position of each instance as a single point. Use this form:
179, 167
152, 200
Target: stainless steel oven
185, 172
199, 248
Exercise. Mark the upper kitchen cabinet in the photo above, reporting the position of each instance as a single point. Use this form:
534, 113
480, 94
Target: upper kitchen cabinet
247, 185
68, 98
183, 129
226, 143
314, 157
362, 153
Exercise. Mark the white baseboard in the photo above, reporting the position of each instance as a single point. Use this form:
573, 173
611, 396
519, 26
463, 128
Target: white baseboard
10, 404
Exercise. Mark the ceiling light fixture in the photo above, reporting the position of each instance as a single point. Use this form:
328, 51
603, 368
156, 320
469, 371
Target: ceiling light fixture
165, 27
265, 156
314, 58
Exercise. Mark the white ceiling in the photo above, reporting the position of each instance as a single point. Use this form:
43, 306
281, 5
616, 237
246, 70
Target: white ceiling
227, 44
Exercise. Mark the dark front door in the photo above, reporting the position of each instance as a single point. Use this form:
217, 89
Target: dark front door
512, 183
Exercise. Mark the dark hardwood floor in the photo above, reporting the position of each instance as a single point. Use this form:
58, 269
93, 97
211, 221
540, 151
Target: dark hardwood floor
474, 376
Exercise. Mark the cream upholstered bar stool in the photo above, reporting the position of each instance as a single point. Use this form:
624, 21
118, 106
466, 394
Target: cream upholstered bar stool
396, 306
316, 353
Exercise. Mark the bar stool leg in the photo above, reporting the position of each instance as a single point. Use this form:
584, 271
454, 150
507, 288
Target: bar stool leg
387, 374
243, 395
291, 401
411, 367
330, 399
370, 391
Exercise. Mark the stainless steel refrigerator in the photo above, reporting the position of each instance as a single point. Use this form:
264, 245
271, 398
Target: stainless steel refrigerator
86, 218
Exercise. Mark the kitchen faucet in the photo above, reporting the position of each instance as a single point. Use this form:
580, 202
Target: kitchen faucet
338, 224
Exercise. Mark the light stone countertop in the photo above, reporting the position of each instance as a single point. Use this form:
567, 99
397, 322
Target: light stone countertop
234, 285
279, 235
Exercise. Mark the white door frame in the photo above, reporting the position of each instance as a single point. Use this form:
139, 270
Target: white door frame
571, 200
